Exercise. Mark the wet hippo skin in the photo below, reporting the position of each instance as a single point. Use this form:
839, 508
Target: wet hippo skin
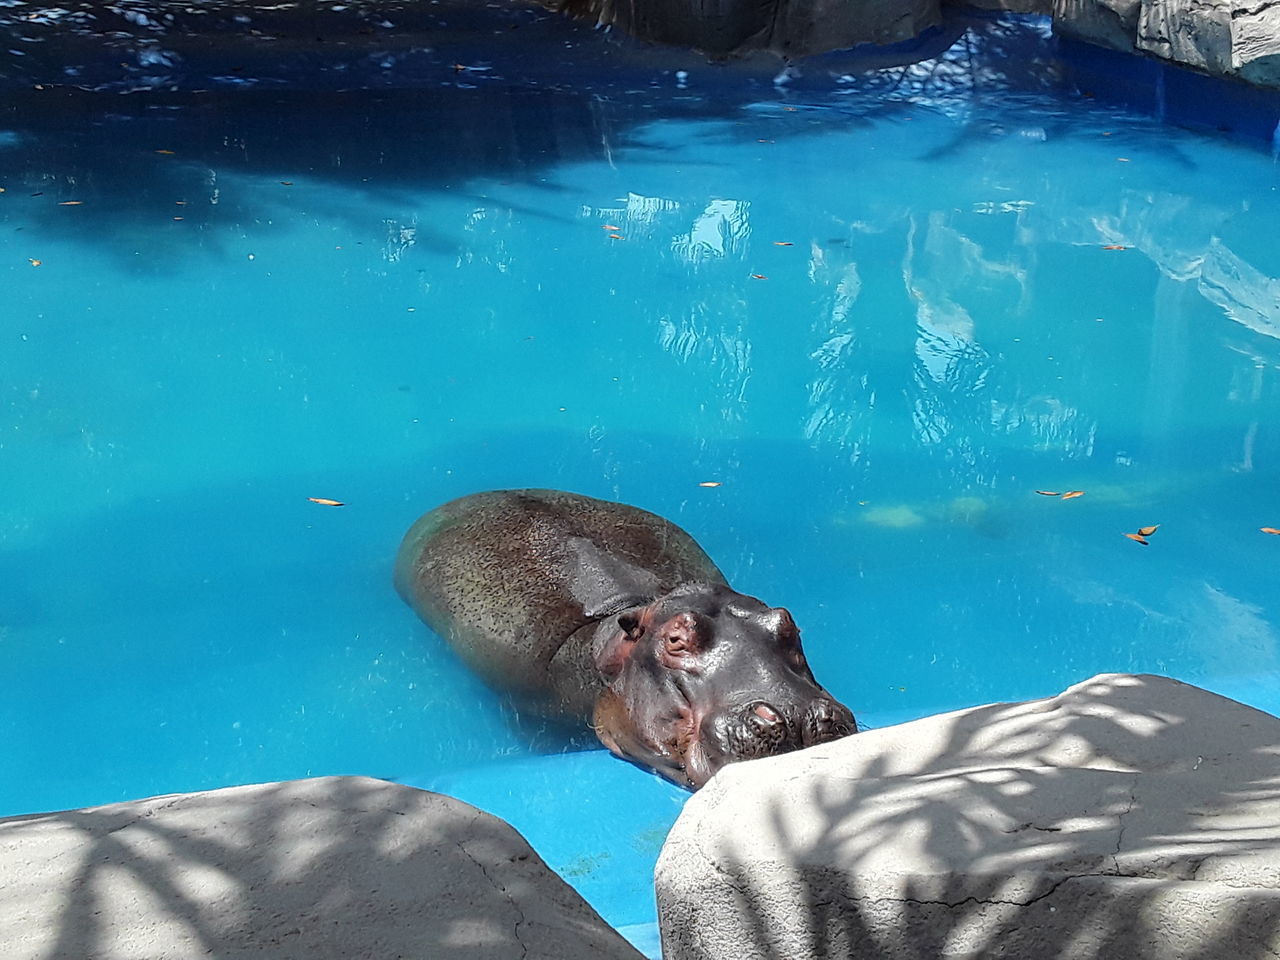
589, 609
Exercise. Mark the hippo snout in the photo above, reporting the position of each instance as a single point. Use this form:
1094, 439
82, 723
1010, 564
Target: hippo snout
827, 720
762, 729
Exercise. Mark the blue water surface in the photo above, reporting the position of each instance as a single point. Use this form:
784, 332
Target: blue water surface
840, 323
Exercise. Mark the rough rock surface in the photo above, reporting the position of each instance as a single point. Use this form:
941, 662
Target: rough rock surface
1107, 23
1130, 816
1239, 38
796, 27
341, 867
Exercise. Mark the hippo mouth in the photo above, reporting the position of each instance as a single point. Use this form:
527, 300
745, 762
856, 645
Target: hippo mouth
761, 729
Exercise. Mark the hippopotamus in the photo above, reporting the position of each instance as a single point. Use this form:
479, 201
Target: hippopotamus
599, 611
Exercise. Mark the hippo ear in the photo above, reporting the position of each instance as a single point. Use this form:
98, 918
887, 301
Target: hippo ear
614, 653
630, 624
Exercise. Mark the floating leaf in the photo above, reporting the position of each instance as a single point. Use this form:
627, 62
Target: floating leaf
35, 263
166, 153
615, 236
1138, 538
1049, 493
610, 226
324, 502
1270, 530
1072, 494
1148, 531
1114, 246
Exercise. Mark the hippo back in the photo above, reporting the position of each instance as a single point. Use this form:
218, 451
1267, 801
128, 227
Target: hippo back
517, 580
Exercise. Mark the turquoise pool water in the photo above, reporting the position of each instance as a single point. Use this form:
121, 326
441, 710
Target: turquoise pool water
878, 310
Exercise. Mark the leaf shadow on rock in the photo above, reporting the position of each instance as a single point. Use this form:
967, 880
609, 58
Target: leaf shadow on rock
1134, 820
335, 867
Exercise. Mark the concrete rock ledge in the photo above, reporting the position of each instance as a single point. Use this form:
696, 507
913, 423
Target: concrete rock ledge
1225, 38
1129, 817
337, 867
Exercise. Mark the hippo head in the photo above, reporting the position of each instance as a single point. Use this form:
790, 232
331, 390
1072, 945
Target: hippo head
704, 676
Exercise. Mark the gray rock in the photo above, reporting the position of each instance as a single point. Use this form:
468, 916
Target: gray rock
794, 27
1196, 33
1130, 816
1255, 42
1044, 7
341, 867
1107, 23
1228, 38
816, 26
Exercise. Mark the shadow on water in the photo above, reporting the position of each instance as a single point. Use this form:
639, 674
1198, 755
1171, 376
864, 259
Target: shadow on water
997, 850
131, 109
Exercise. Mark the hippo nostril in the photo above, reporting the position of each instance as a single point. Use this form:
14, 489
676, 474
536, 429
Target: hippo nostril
766, 713
828, 720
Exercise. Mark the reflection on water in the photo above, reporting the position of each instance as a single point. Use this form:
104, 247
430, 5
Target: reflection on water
880, 308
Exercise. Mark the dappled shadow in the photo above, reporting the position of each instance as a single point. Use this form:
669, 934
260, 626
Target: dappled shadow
1127, 815
332, 868
160, 120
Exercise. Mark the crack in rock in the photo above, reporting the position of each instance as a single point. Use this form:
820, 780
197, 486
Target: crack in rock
515, 931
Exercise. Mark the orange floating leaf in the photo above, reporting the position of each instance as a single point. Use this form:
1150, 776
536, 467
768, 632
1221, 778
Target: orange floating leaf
1138, 538
610, 226
35, 263
615, 236
167, 153
709, 483
1114, 246
1049, 493
758, 276
1148, 531
1072, 494
324, 502
1270, 530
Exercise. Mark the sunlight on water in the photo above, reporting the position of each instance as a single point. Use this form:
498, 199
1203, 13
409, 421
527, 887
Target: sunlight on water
880, 313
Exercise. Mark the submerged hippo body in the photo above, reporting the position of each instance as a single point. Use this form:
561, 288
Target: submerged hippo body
585, 608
